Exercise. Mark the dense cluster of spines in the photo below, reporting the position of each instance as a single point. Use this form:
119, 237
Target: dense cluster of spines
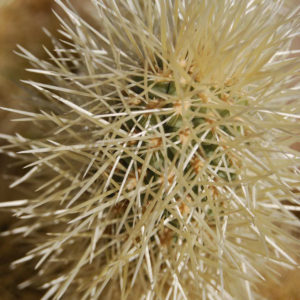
154, 157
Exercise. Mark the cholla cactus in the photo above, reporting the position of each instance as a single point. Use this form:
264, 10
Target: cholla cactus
161, 159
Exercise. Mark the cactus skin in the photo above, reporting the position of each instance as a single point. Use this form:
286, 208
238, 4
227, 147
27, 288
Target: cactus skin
162, 167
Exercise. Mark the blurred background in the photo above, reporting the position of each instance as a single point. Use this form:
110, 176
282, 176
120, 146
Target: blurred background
21, 22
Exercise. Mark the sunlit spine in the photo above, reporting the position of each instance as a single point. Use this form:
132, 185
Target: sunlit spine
162, 168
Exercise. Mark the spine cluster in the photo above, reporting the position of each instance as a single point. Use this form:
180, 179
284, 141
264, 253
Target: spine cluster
161, 166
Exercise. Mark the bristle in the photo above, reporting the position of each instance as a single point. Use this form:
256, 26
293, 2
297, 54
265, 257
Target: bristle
162, 168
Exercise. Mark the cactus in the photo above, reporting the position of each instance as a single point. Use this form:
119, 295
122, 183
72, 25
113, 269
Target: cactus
160, 164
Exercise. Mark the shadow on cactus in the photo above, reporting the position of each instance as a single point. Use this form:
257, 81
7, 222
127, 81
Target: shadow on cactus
162, 167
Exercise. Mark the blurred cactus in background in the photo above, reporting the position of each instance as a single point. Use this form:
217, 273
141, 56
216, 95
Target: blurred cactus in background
159, 164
